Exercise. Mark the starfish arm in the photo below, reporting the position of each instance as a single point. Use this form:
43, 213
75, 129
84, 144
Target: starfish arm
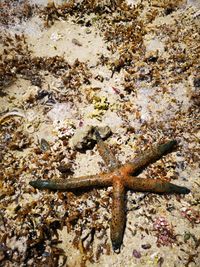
118, 215
99, 180
149, 156
106, 154
154, 186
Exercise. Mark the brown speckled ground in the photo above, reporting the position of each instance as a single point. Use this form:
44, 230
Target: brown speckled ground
63, 68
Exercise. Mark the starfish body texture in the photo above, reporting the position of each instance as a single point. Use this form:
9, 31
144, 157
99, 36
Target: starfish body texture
121, 178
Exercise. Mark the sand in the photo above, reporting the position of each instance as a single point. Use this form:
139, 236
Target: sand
134, 71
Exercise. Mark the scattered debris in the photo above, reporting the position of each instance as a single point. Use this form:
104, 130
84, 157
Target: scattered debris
142, 82
164, 232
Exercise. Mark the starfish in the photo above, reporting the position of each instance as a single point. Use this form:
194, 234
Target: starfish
121, 178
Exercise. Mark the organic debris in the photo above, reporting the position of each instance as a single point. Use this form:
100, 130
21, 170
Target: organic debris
129, 66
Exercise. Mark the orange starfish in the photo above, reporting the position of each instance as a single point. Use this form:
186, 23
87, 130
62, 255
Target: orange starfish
120, 178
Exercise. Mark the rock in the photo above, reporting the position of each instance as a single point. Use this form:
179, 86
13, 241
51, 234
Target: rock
84, 137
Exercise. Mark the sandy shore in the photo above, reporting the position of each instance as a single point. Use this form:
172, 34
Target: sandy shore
132, 69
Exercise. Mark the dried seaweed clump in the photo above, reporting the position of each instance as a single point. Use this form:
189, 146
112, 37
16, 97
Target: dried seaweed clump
12, 138
78, 74
53, 12
14, 52
13, 12
17, 59
126, 32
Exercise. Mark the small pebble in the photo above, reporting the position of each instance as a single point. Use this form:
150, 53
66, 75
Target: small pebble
187, 236
146, 246
44, 145
137, 254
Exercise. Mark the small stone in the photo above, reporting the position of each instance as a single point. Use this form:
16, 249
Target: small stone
197, 82
88, 31
187, 236
137, 254
146, 246
44, 145
85, 136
